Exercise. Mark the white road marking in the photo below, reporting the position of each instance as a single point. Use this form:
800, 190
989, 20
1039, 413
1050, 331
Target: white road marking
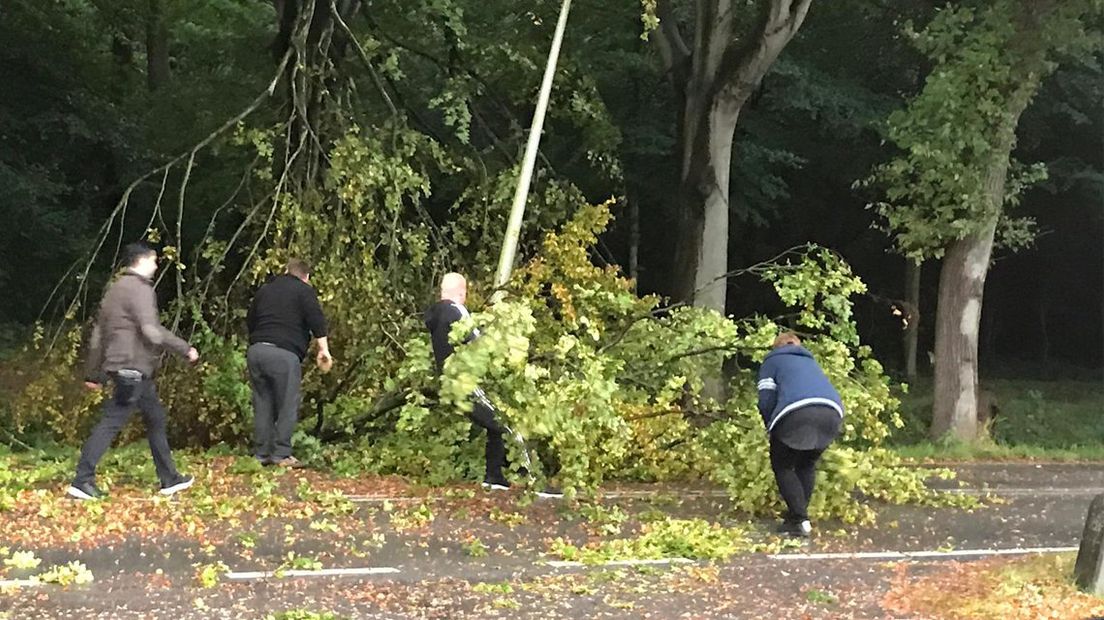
326, 572
1028, 492
717, 493
660, 562
19, 583
914, 555
709, 493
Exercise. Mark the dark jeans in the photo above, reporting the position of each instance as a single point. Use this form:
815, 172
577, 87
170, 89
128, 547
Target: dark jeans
275, 375
483, 415
795, 471
126, 397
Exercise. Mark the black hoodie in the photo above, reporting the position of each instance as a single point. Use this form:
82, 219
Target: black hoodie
439, 319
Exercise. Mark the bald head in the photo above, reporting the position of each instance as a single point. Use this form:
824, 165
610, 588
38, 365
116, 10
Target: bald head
454, 288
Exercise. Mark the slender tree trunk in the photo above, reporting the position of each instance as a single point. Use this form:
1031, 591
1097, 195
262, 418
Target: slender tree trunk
913, 271
158, 71
1044, 346
990, 331
634, 239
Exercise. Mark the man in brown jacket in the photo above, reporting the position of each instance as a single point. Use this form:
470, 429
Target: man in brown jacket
126, 345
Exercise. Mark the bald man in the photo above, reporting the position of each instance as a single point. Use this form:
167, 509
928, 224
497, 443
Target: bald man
439, 319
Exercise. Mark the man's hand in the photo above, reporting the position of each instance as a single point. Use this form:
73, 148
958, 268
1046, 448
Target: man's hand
192, 355
324, 360
92, 385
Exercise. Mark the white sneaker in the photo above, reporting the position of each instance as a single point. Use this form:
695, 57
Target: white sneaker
806, 528
184, 482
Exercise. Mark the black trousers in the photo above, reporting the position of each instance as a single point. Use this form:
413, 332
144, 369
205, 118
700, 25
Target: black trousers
483, 415
275, 376
795, 471
126, 397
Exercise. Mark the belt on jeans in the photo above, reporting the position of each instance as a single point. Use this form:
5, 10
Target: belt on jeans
267, 344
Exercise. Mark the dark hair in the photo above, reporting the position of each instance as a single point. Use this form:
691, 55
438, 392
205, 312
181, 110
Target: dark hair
298, 267
135, 252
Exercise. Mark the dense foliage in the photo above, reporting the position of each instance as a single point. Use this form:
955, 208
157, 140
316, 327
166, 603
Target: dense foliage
382, 145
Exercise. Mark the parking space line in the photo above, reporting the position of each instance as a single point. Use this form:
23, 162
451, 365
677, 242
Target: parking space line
918, 555
615, 563
19, 583
325, 572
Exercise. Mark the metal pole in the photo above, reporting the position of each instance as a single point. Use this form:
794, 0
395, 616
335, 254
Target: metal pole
517, 211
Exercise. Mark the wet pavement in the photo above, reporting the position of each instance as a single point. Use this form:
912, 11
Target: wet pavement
429, 542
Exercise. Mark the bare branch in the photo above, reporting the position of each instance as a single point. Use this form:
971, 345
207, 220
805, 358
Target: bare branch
743, 66
120, 207
364, 58
670, 43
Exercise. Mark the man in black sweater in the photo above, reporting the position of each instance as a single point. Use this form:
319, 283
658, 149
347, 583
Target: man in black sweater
285, 314
439, 319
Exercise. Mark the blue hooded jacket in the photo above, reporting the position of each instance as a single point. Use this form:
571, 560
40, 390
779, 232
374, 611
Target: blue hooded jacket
790, 379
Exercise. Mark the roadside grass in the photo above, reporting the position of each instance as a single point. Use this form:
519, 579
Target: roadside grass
1036, 420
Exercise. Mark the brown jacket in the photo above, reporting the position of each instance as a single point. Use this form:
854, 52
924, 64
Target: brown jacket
128, 333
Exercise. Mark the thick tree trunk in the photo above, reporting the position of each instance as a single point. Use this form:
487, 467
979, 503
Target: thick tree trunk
702, 254
158, 71
913, 271
961, 285
966, 262
713, 78
958, 317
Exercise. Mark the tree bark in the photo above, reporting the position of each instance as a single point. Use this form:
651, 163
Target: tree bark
634, 240
702, 254
961, 285
958, 317
1044, 333
713, 79
158, 71
913, 272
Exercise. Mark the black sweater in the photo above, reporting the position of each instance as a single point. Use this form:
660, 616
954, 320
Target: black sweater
439, 319
286, 313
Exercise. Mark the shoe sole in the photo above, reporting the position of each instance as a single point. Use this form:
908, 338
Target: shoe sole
495, 487
544, 495
176, 488
76, 493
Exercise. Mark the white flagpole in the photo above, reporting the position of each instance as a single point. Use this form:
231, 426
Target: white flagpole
517, 211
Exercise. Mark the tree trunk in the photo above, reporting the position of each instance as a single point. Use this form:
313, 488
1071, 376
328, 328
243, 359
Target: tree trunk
1044, 335
961, 285
634, 240
913, 271
702, 255
958, 317
713, 78
158, 71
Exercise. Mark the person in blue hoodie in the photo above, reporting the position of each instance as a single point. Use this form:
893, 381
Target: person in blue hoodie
803, 414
